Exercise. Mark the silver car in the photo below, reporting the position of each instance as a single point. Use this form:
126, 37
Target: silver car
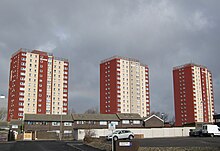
120, 134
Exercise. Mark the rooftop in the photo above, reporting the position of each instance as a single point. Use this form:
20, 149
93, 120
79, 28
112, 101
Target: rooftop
38, 52
95, 117
82, 117
47, 117
187, 65
130, 116
124, 58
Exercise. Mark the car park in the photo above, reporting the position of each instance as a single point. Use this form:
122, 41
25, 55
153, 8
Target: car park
120, 134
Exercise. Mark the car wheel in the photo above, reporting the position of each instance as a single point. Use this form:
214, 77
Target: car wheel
115, 138
131, 137
212, 135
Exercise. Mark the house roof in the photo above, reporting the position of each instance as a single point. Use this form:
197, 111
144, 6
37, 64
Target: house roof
152, 116
15, 122
95, 117
3, 124
45, 117
129, 116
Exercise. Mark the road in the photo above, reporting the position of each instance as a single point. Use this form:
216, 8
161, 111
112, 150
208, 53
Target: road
79, 146
181, 142
44, 146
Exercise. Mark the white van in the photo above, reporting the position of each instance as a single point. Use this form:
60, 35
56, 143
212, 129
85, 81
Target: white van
210, 130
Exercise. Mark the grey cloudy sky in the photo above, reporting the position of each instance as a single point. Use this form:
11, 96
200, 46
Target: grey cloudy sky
160, 33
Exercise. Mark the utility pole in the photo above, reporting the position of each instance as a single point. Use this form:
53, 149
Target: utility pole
61, 123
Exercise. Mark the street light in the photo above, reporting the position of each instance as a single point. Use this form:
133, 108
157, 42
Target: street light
61, 123
163, 117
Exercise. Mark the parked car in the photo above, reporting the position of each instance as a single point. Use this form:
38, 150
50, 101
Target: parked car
195, 132
120, 134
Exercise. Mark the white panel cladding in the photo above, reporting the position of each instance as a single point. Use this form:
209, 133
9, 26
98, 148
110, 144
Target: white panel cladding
57, 87
132, 87
143, 98
210, 96
125, 86
31, 83
198, 106
49, 84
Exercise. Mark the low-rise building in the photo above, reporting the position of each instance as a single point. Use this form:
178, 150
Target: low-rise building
48, 126
56, 127
88, 121
153, 121
129, 120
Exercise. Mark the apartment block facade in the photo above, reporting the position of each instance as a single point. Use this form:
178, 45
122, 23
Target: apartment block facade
38, 84
193, 94
124, 86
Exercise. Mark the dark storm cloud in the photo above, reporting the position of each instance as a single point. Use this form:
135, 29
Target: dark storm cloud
160, 33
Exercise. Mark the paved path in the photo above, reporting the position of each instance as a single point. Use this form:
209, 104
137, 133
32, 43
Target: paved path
81, 147
44, 146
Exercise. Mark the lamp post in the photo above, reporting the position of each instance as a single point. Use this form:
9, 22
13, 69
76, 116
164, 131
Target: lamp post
61, 118
162, 116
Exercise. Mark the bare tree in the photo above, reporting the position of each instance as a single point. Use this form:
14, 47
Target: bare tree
3, 114
163, 116
172, 121
93, 110
71, 111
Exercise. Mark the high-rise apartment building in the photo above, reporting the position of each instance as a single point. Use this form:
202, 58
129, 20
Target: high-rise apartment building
124, 86
38, 84
193, 94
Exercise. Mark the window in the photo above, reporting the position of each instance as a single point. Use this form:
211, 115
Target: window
103, 123
20, 109
55, 123
136, 122
67, 124
125, 122
79, 122
21, 104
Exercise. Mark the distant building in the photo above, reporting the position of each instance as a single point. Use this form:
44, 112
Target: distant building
124, 86
217, 119
193, 94
38, 84
3, 102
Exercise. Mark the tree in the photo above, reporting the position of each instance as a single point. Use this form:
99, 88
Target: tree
163, 116
3, 114
93, 110
172, 121
71, 111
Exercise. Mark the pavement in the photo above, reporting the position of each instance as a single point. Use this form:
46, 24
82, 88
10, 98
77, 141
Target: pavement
181, 142
81, 147
45, 146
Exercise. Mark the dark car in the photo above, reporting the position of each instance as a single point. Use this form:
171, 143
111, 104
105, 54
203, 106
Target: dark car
195, 132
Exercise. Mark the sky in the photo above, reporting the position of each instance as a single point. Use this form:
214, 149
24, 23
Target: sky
160, 33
